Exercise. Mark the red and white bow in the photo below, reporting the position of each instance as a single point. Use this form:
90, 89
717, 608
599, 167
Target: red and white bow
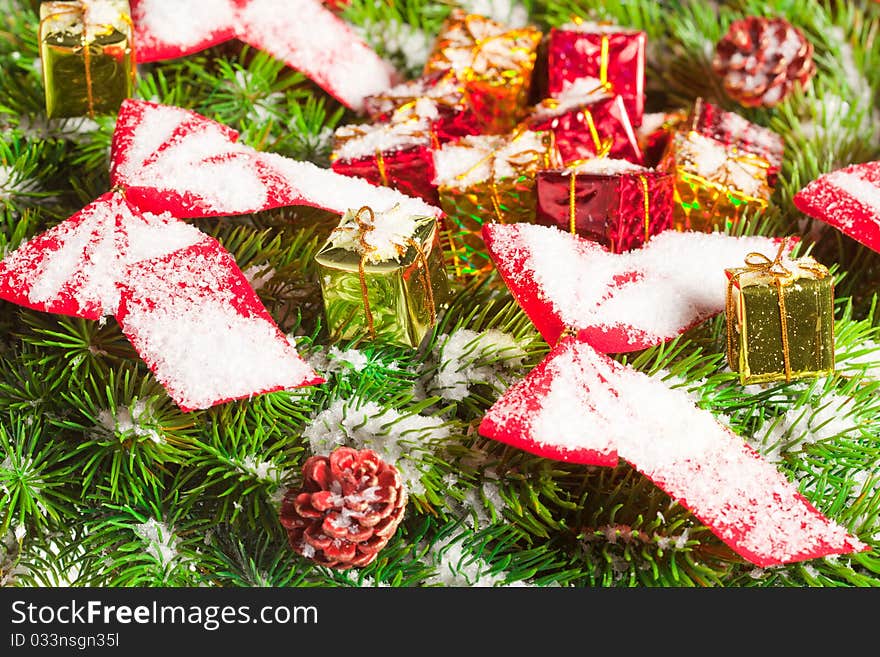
177, 294
847, 199
581, 406
304, 34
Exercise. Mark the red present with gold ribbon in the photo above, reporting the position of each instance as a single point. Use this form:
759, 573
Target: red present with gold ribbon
715, 185
613, 55
486, 179
454, 117
736, 131
587, 124
491, 62
396, 154
614, 202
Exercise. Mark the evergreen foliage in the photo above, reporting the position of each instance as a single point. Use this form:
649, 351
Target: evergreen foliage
104, 481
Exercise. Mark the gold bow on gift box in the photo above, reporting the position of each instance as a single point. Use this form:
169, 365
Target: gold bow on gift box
88, 57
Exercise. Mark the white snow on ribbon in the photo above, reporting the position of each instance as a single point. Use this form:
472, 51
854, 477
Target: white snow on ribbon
390, 434
90, 251
175, 22
856, 186
463, 357
161, 542
96, 17
679, 277
472, 159
174, 150
410, 126
204, 342
302, 33
680, 447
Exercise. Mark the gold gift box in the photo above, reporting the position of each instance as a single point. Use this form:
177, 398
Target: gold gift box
390, 292
492, 62
87, 55
495, 184
715, 185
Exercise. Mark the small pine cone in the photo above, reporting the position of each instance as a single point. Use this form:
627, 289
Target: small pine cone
761, 59
347, 510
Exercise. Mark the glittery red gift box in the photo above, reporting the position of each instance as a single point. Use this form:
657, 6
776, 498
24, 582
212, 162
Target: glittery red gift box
455, 119
612, 55
735, 131
621, 210
601, 128
408, 170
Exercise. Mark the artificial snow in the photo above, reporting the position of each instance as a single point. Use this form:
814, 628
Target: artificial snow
95, 17
408, 127
265, 471
161, 541
683, 449
302, 33
831, 416
130, 420
604, 166
476, 158
574, 95
467, 357
673, 281
379, 236
395, 437
512, 14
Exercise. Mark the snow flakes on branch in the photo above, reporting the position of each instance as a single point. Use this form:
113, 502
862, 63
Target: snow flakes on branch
161, 542
467, 357
397, 438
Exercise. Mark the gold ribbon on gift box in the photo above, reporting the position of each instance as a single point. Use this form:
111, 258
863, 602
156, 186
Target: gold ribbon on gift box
364, 228
58, 10
758, 263
604, 54
722, 185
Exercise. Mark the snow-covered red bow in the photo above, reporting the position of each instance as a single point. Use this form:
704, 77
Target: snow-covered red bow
302, 33
177, 294
847, 199
580, 406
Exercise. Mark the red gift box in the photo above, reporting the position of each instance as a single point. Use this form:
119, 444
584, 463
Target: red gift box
584, 131
735, 131
613, 55
612, 202
454, 118
656, 132
398, 154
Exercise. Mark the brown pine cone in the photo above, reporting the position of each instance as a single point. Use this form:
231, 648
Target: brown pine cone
347, 510
761, 59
